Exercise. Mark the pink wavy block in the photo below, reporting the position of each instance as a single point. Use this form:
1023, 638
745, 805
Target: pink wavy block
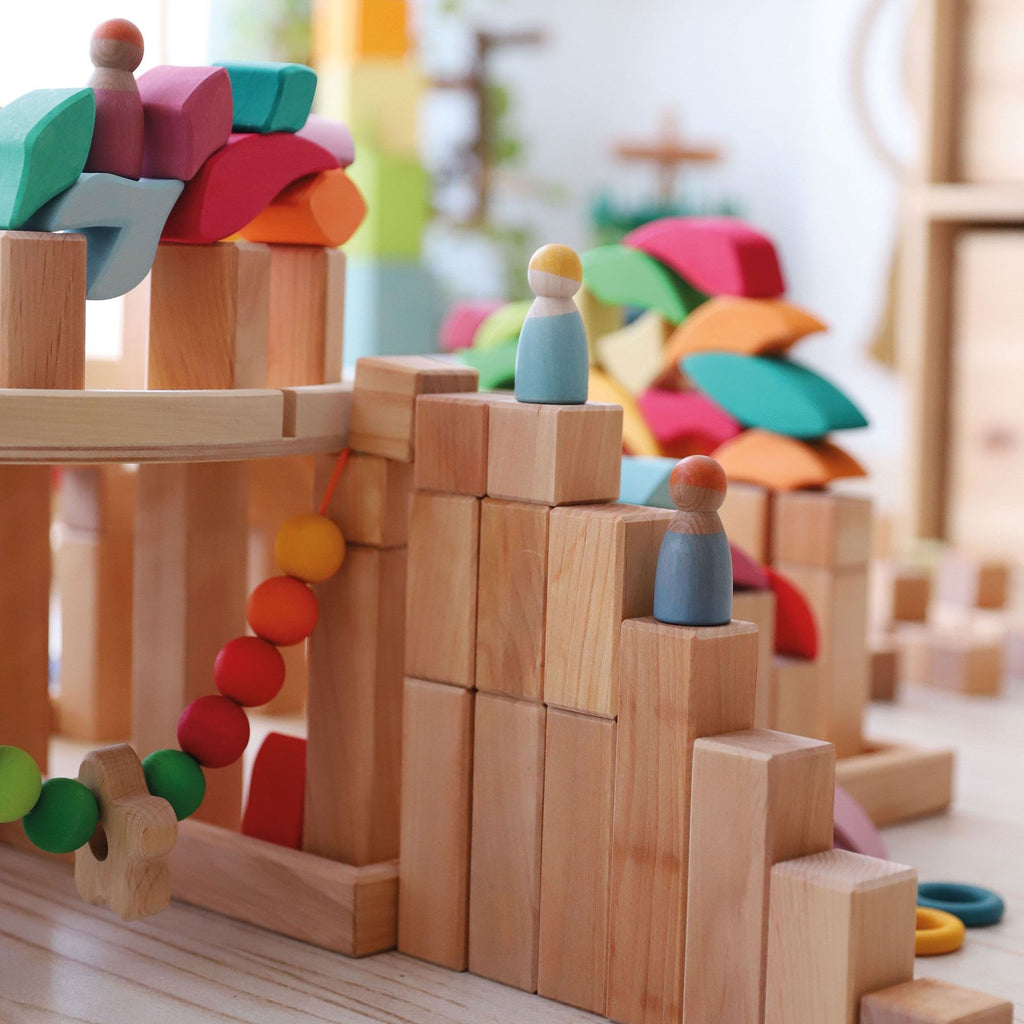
673, 415
747, 574
853, 830
334, 136
462, 323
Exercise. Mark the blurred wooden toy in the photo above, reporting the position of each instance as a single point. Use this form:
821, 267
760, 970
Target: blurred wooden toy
926, 1001
901, 593
116, 50
270, 97
552, 364
966, 664
966, 579
853, 830
885, 669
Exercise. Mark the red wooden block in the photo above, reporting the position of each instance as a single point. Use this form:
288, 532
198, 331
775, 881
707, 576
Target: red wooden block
853, 830
334, 136
796, 629
277, 792
462, 322
188, 118
746, 573
687, 418
238, 181
717, 255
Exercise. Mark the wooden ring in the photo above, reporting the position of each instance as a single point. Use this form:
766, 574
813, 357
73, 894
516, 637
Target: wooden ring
975, 906
937, 932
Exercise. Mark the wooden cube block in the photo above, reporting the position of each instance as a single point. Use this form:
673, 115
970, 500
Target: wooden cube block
747, 518
927, 1001
512, 597
371, 504
884, 668
840, 927
900, 593
601, 565
444, 547
758, 607
822, 529
349, 31
451, 442
554, 454
794, 695
971, 580
966, 664
913, 645
384, 401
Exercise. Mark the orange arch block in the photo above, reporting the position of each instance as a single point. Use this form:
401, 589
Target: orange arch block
784, 463
751, 327
324, 209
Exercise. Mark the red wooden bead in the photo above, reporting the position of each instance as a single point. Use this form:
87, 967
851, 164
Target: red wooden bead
214, 730
282, 610
249, 670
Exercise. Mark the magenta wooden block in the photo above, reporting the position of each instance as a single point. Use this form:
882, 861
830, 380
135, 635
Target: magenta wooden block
747, 574
462, 322
677, 415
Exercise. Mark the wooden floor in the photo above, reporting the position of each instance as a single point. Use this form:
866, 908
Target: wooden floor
63, 961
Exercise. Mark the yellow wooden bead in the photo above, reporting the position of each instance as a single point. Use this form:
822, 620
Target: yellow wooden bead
309, 547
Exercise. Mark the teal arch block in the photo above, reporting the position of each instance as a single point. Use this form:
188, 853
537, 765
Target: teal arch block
269, 97
44, 142
621, 276
495, 363
773, 394
644, 481
121, 219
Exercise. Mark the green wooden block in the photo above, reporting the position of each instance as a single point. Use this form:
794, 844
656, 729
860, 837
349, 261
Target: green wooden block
504, 323
621, 276
397, 194
773, 394
269, 97
44, 142
496, 363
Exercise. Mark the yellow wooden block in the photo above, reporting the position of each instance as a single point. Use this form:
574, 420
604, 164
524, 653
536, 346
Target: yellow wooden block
632, 354
637, 436
599, 318
352, 30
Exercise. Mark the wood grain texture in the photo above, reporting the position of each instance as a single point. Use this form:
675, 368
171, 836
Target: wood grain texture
758, 798
820, 528
437, 778
794, 687
840, 927
511, 598
371, 504
747, 518
758, 606
504, 878
927, 1001
297, 334
444, 546
317, 410
601, 566
676, 685
579, 765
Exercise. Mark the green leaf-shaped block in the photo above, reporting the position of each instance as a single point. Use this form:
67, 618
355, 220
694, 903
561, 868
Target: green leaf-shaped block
269, 97
45, 137
496, 363
773, 394
504, 323
628, 277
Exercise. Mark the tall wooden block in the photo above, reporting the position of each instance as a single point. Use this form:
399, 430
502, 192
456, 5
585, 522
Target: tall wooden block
554, 454
927, 1001
967, 579
885, 664
677, 684
601, 563
504, 878
444, 548
579, 764
384, 400
747, 518
820, 528
437, 773
840, 927
371, 503
209, 315
794, 695
758, 606
190, 589
511, 598
354, 710
758, 798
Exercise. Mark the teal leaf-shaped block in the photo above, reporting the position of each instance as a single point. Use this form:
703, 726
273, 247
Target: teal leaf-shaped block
269, 97
773, 394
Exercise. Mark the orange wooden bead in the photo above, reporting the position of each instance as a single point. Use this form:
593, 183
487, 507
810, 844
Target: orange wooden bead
282, 610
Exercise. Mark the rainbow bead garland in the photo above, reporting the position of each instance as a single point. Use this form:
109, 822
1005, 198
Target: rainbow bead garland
60, 815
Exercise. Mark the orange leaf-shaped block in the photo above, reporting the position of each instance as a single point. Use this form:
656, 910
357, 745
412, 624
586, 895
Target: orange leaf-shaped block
784, 463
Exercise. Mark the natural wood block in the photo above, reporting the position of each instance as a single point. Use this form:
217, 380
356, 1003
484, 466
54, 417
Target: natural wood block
444, 549
820, 528
841, 926
927, 1001
384, 400
758, 607
554, 454
99, 500
512, 597
209, 315
371, 504
677, 684
747, 518
437, 773
794, 695
966, 664
969, 580
913, 644
1013, 650
885, 669
579, 765
601, 563
42, 310
318, 410
354, 710
901, 593
451, 445
504, 878
759, 798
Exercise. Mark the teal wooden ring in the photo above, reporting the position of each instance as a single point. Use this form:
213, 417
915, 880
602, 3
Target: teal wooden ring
975, 906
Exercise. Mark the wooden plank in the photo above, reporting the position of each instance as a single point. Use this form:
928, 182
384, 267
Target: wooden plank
318, 410
747, 518
504, 879
437, 773
372, 501
677, 684
444, 546
794, 695
334, 333
840, 927
579, 765
820, 528
297, 334
511, 598
758, 798
927, 1001
758, 606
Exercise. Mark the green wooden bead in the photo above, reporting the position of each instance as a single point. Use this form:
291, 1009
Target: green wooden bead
64, 818
178, 778
20, 783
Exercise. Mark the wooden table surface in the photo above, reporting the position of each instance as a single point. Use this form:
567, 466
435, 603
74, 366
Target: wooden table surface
64, 961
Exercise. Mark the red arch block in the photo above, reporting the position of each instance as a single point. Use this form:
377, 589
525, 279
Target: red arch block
717, 255
238, 181
277, 792
796, 629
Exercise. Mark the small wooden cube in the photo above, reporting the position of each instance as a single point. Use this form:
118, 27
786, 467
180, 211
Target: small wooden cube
746, 516
384, 400
794, 692
885, 669
966, 664
554, 454
970, 580
900, 593
822, 529
371, 504
927, 1001
913, 643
